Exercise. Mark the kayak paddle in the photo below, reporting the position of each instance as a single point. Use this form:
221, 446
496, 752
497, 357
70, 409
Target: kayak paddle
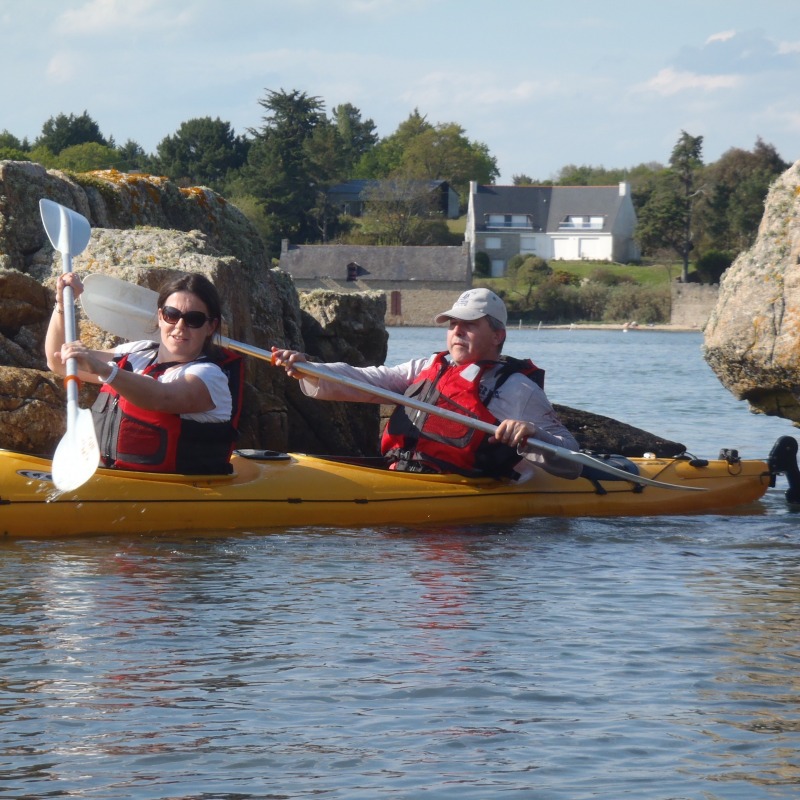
130, 311
77, 455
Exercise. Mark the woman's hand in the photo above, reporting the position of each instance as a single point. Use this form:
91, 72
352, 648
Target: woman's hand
68, 279
86, 359
287, 359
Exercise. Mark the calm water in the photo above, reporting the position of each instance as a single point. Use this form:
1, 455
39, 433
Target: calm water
652, 658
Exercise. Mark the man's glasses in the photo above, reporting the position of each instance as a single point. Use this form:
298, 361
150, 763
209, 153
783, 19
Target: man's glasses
193, 319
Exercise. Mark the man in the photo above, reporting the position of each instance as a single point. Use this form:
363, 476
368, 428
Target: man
470, 378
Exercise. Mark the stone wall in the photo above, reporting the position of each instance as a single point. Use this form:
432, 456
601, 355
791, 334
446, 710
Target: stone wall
692, 304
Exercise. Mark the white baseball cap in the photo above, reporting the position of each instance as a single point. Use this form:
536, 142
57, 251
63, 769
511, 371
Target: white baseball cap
474, 304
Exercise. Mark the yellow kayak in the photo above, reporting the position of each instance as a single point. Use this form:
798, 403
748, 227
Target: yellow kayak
272, 490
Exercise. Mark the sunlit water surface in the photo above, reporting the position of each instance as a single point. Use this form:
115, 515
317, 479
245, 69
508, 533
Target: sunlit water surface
554, 659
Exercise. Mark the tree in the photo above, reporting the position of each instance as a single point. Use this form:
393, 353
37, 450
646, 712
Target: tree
386, 157
733, 204
445, 153
357, 136
665, 218
203, 151
134, 158
396, 212
8, 140
64, 131
293, 159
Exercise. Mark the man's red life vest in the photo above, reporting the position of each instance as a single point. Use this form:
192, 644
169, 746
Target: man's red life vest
154, 441
421, 442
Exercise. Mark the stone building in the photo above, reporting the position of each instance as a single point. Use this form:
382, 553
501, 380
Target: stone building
418, 281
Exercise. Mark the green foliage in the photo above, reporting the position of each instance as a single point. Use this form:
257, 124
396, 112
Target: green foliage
646, 305
89, 156
10, 142
712, 264
12, 154
203, 152
358, 137
289, 168
64, 131
608, 277
483, 264
733, 204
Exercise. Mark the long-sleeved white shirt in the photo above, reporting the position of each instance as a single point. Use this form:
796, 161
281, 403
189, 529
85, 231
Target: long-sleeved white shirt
518, 398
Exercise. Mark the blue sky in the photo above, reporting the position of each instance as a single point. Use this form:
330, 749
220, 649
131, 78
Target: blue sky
542, 84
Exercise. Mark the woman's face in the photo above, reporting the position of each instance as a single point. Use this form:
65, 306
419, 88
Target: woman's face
181, 340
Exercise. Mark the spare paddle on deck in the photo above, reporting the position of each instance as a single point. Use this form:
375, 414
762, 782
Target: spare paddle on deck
130, 311
77, 455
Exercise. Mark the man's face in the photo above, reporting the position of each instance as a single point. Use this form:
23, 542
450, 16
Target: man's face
473, 340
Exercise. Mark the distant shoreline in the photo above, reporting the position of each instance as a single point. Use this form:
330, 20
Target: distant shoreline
587, 326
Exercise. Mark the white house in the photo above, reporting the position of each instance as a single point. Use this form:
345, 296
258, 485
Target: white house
553, 222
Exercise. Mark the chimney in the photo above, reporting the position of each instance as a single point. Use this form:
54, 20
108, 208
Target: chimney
624, 189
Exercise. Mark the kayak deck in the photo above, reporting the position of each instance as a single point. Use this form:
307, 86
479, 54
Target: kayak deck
296, 490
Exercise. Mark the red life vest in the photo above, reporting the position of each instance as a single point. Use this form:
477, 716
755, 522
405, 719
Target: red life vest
417, 441
155, 441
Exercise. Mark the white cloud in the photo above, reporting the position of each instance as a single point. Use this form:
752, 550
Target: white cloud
723, 36
669, 81
119, 17
63, 68
784, 48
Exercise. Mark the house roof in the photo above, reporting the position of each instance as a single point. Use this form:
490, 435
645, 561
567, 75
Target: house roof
549, 206
441, 264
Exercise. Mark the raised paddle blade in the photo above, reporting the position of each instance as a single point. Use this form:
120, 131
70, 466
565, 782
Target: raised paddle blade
77, 455
121, 310
69, 232
119, 307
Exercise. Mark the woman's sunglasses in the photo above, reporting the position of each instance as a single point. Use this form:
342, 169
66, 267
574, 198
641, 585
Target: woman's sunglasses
193, 319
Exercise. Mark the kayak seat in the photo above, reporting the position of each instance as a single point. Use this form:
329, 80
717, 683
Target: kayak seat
262, 455
596, 475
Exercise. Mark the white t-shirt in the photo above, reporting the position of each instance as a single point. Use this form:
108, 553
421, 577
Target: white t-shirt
212, 376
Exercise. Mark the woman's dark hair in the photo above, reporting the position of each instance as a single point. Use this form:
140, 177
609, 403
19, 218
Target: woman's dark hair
201, 287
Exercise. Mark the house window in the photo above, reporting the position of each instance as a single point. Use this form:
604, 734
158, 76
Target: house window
493, 243
509, 221
396, 304
527, 245
577, 222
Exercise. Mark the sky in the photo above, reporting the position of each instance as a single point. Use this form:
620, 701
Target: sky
543, 85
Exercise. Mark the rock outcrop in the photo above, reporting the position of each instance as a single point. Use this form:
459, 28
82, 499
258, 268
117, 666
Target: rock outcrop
752, 340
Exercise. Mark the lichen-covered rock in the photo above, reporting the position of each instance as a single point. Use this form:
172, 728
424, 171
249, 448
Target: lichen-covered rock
752, 340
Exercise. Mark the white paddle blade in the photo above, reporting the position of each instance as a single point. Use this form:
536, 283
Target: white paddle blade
69, 232
77, 455
121, 308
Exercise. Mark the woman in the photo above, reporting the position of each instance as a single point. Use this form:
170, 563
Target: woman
167, 406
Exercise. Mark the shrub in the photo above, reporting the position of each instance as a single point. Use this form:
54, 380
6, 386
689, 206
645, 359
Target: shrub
647, 305
712, 264
483, 264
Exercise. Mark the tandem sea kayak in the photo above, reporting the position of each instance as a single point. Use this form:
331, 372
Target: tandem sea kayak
277, 490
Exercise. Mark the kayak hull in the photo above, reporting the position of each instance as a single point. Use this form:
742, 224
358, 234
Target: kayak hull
301, 491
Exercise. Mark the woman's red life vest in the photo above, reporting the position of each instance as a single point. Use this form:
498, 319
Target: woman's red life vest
155, 441
418, 441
